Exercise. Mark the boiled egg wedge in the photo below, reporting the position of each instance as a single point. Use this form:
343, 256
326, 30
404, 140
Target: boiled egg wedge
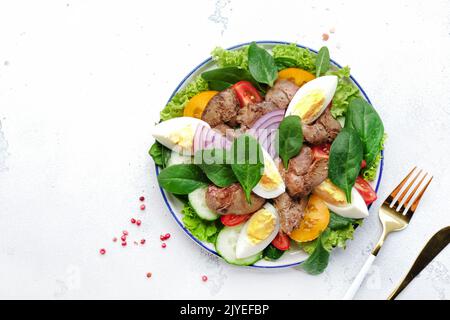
177, 134
312, 98
336, 201
271, 184
258, 232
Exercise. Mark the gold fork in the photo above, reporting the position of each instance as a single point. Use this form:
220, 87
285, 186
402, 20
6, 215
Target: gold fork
393, 218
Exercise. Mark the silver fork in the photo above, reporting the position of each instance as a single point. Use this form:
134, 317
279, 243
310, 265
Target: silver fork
393, 218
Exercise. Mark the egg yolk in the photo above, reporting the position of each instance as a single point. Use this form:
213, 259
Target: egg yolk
183, 137
271, 178
330, 193
309, 105
260, 226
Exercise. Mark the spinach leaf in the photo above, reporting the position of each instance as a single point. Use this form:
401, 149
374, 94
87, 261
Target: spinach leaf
322, 61
213, 163
338, 222
272, 253
318, 260
362, 117
247, 162
290, 138
222, 78
160, 154
344, 164
284, 62
182, 178
261, 65
182, 197
219, 85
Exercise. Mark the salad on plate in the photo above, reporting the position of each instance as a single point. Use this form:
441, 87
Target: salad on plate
272, 152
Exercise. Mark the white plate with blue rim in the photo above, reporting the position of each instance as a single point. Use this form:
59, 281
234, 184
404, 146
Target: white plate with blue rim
294, 256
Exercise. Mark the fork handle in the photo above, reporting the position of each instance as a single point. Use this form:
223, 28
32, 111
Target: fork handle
359, 278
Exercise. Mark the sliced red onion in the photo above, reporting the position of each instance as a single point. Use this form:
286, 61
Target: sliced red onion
198, 137
265, 128
265, 136
272, 146
207, 138
267, 119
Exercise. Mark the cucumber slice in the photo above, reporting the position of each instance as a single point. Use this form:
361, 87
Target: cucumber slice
226, 247
198, 202
176, 158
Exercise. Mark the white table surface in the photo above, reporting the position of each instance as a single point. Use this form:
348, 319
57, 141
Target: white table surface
82, 82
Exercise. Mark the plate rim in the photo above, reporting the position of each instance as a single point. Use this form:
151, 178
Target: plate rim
203, 63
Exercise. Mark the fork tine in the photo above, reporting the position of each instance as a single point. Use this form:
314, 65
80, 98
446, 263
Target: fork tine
414, 191
399, 200
416, 202
395, 192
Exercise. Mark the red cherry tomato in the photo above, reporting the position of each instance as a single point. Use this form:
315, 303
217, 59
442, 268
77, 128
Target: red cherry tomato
246, 93
363, 164
365, 190
231, 220
281, 241
322, 151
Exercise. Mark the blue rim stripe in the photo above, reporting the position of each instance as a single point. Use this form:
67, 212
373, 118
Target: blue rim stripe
380, 174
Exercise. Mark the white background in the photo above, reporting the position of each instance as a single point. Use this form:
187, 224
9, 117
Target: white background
82, 83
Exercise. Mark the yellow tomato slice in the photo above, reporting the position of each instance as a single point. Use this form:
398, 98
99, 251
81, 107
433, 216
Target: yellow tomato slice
197, 104
299, 76
315, 220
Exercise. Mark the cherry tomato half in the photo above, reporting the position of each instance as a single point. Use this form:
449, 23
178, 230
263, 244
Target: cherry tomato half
363, 164
231, 220
246, 93
365, 190
321, 152
281, 241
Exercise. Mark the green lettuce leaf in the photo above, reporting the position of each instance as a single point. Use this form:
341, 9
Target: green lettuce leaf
231, 58
201, 229
176, 105
338, 238
334, 239
345, 92
304, 58
309, 246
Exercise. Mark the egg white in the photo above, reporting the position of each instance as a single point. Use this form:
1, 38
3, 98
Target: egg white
269, 166
357, 209
245, 248
163, 131
327, 84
